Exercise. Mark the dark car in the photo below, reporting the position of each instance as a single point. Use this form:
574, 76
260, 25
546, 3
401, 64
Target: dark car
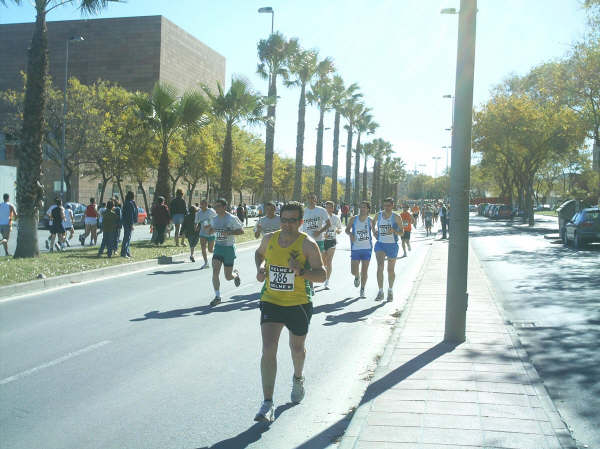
565, 212
583, 228
502, 212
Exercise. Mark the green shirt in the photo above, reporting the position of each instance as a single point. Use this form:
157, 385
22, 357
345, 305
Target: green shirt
110, 221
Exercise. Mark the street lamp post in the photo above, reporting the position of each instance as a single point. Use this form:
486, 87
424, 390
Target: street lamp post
447, 148
64, 117
268, 10
450, 96
458, 251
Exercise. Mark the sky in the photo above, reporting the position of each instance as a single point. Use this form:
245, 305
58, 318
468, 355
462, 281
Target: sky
402, 54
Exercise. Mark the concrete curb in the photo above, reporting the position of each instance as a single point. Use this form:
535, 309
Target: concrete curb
350, 437
38, 285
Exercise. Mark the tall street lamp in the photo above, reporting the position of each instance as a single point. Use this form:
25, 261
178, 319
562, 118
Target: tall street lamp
448, 148
458, 251
268, 10
64, 117
449, 96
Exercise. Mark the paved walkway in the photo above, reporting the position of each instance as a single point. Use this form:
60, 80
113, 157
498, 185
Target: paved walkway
430, 394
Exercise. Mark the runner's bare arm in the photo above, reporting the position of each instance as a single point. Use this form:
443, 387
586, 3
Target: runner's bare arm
398, 220
324, 228
316, 272
349, 226
259, 258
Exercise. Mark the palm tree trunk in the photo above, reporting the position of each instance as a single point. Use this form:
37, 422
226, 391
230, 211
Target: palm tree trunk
270, 141
348, 187
162, 178
226, 168
319, 156
297, 195
375, 186
357, 173
29, 171
141, 186
364, 186
334, 169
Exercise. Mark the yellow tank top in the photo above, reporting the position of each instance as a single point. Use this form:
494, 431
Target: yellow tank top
282, 287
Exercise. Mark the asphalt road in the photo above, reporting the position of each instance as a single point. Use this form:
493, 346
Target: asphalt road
141, 361
141, 232
551, 294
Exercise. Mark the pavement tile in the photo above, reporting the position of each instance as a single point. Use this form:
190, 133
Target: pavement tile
406, 395
448, 375
504, 398
514, 440
453, 436
502, 387
454, 366
513, 425
514, 378
452, 408
394, 419
451, 421
391, 434
453, 385
498, 368
507, 411
412, 384
382, 404
452, 396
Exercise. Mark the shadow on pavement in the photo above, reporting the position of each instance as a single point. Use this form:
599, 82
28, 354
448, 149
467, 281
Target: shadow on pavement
250, 435
154, 273
352, 317
378, 387
237, 302
334, 306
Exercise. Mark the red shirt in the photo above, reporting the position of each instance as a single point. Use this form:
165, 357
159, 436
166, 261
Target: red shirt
406, 218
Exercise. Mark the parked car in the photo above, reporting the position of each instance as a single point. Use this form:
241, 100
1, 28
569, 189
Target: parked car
252, 211
481, 208
583, 228
142, 216
503, 212
472, 207
565, 212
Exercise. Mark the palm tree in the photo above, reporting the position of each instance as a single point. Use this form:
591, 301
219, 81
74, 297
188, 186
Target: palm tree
381, 150
340, 96
302, 67
364, 125
166, 114
240, 103
321, 94
368, 150
30, 191
350, 111
274, 55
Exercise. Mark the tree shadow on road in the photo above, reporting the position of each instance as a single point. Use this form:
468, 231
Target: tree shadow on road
250, 435
352, 317
237, 302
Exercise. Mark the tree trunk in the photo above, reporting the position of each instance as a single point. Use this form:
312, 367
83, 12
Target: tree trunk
531, 218
226, 167
120, 188
141, 186
297, 195
375, 185
207, 188
334, 169
357, 173
162, 179
270, 141
348, 187
104, 183
29, 171
364, 186
319, 155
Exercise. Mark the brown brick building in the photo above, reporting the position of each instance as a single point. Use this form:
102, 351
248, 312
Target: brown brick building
134, 52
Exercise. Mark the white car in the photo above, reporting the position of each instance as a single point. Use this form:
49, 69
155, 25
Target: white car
252, 211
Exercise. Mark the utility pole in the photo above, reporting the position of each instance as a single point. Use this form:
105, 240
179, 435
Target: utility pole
458, 252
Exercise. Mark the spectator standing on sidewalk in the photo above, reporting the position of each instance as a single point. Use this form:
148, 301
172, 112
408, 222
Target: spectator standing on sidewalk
109, 230
160, 221
443, 219
188, 228
246, 213
345, 212
8, 213
178, 210
118, 212
240, 213
129, 216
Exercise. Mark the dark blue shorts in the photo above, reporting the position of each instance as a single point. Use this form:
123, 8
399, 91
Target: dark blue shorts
360, 254
390, 249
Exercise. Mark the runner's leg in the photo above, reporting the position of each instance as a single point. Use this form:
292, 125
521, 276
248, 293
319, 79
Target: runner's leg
380, 255
215, 277
364, 273
391, 266
298, 353
203, 247
211, 245
268, 362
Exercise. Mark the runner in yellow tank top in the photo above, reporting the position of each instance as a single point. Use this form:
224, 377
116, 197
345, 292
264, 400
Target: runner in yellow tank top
291, 259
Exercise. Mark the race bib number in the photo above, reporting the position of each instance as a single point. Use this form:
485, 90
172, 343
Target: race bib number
362, 235
281, 278
385, 229
220, 233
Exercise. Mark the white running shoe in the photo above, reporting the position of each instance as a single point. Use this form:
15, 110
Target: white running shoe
390, 297
265, 412
297, 389
356, 282
205, 266
326, 284
362, 292
379, 296
236, 280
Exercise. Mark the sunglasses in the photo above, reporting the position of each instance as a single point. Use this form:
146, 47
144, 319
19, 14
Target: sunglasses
289, 220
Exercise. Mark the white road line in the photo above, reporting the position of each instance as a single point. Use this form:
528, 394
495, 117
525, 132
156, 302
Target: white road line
64, 358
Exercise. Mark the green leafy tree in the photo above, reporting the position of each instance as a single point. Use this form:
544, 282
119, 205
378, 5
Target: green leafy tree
274, 55
168, 115
29, 171
364, 125
239, 104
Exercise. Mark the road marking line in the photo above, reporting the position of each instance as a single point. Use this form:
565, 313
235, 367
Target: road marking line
64, 358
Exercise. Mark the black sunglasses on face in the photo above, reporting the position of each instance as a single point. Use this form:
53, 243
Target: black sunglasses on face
289, 220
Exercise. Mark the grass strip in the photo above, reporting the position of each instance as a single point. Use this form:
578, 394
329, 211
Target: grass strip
550, 213
14, 271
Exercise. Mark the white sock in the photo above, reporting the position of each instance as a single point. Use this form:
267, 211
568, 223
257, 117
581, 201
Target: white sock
380, 290
389, 291
217, 293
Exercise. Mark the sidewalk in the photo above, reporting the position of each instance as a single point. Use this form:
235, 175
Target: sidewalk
430, 394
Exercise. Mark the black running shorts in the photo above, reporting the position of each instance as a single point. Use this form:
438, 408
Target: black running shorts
295, 318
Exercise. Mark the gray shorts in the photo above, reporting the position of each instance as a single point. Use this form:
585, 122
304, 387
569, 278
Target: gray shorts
5, 231
178, 219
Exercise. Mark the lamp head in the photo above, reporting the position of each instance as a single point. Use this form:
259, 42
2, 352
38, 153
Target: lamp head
266, 9
449, 11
